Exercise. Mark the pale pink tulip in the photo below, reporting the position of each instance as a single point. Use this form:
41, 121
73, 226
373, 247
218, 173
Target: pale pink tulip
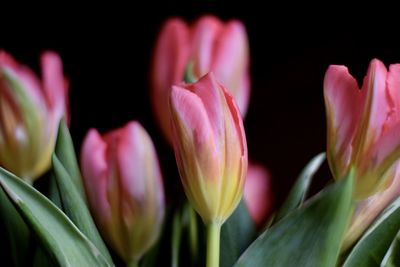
207, 45
258, 193
30, 111
124, 186
363, 125
210, 147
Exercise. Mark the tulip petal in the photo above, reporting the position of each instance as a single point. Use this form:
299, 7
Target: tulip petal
230, 62
344, 104
94, 169
170, 58
204, 50
54, 85
196, 151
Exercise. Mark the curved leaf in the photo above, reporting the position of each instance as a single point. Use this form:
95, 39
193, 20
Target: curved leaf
75, 207
58, 235
298, 192
309, 236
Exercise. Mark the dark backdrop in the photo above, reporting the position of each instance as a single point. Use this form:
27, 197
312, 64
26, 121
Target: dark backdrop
106, 52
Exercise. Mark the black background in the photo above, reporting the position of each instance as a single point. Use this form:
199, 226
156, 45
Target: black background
107, 51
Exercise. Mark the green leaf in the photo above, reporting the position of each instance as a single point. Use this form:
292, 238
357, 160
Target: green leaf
17, 233
58, 235
300, 188
66, 154
309, 236
392, 257
373, 245
75, 207
236, 235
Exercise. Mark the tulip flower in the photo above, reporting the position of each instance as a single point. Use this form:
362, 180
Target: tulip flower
30, 111
258, 193
211, 152
124, 186
207, 45
363, 125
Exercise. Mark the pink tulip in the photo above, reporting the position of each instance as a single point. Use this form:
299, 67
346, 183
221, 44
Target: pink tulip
258, 193
210, 147
208, 45
363, 125
30, 111
124, 186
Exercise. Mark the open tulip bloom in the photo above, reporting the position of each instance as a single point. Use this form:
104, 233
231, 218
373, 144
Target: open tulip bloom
115, 200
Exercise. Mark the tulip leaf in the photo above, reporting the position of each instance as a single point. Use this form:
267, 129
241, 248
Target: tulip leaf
58, 235
299, 190
309, 236
66, 154
392, 257
236, 235
17, 232
75, 207
374, 244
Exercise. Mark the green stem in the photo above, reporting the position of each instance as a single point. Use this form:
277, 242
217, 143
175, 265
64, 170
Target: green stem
176, 238
213, 239
133, 263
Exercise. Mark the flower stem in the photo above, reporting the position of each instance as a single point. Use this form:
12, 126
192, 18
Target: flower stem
213, 239
133, 263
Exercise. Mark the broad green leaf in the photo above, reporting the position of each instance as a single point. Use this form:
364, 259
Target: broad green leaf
17, 233
392, 257
65, 152
75, 207
299, 190
373, 245
236, 235
42, 259
58, 235
309, 236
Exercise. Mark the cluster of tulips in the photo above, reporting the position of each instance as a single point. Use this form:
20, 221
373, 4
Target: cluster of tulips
112, 209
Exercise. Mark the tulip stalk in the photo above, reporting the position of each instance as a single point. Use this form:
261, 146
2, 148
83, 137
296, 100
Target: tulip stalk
133, 263
213, 244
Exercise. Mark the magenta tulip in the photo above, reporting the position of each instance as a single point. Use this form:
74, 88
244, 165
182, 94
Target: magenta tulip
124, 186
363, 125
208, 45
258, 193
30, 111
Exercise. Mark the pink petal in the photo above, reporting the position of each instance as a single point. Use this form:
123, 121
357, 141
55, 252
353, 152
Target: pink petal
258, 193
231, 62
376, 107
54, 85
138, 164
195, 138
170, 58
393, 96
208, 90
344, 104
94, 170
205, 34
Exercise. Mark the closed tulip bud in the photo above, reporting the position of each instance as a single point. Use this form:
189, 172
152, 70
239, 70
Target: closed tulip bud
258, 193
124, 186
363, 125
210, 147
30, 111
207, 45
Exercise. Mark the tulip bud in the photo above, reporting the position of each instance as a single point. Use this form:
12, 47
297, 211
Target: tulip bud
363, 125
258, 193
30, 111
208, 45
124, 186
210, 147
